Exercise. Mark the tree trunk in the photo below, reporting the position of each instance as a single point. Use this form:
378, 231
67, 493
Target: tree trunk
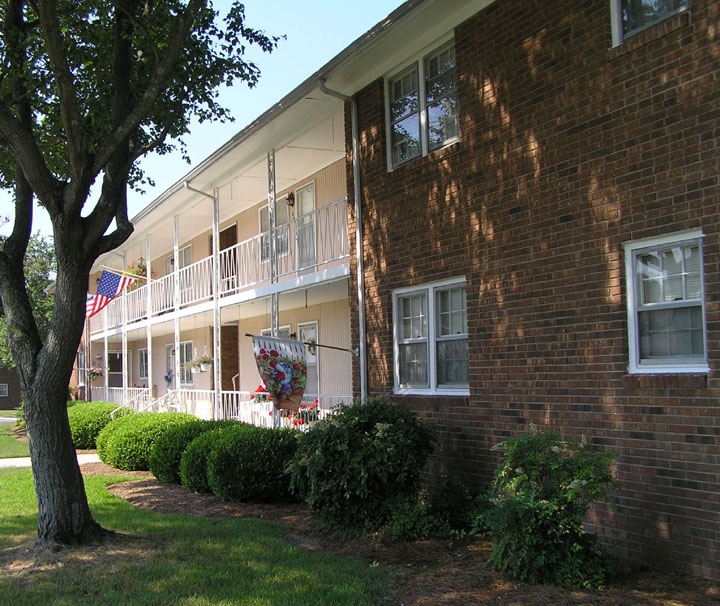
63, 513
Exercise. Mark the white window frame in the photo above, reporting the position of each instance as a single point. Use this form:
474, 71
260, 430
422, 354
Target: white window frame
186, 355
634, 306
283, 332
82, 369
143, 363
282, 231
418, 65
432, 338
616, 15
4, 391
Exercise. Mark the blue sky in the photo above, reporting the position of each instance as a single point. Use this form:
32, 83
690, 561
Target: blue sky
316, 31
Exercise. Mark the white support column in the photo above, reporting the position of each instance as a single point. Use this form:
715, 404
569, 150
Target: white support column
274, 299
148, 328
217, 350
124, 342
176, 296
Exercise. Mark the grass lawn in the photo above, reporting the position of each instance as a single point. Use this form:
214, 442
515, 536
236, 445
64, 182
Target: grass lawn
9, 446
170, 559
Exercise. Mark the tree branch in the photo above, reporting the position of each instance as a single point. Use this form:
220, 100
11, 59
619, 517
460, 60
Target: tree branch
67, 94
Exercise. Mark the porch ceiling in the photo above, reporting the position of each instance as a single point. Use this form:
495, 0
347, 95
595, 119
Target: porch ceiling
306, 138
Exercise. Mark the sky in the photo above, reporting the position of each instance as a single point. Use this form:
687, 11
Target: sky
315, 30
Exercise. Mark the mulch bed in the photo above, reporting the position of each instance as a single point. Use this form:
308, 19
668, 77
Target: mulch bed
426, 572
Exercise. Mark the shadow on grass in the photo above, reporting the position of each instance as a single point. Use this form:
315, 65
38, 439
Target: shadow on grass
163, 559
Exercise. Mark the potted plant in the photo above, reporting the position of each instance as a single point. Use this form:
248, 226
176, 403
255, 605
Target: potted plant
193, 367
205, 362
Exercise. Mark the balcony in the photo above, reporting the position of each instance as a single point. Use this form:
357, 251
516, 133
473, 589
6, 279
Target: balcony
309, 245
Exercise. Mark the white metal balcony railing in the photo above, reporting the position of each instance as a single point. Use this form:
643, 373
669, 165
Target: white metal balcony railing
311, 243
234, 405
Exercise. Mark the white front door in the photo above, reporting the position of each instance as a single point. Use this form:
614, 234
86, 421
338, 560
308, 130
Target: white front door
308, 333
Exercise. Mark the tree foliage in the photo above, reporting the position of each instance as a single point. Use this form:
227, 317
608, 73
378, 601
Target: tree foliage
39, 275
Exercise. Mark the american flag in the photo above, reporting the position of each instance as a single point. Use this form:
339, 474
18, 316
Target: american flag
109, 287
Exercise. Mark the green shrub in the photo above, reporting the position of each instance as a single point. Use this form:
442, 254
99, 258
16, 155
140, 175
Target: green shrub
356, 466
193, 469
88, 419
541, 491
167, 450
248, 463
126, 442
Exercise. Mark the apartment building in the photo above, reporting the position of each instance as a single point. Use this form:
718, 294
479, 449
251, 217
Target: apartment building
526, 234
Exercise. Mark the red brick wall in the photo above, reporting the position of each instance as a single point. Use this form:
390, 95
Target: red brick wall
568, 149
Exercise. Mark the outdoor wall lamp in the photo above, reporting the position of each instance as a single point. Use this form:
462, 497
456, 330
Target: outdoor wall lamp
291, 199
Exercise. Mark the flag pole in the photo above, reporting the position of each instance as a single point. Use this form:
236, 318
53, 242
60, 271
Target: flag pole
124, 274
354, 352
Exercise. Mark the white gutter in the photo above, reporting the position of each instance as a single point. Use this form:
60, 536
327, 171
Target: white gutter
362, 345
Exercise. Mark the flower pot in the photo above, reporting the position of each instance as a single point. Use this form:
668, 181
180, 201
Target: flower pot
205, 366
195, 370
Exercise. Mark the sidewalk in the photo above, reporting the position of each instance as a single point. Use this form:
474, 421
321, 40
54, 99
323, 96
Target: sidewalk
25, 461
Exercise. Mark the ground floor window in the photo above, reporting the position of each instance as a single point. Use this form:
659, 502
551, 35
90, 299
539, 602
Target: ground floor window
431, 338
666, 311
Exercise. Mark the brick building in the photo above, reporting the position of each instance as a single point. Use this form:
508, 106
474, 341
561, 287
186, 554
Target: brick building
507, 207
539, 192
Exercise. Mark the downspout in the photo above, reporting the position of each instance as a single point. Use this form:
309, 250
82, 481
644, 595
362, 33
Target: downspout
362, 345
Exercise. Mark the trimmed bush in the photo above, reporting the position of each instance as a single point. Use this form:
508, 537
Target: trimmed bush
194, 461
541, 491
88, 419
358, 466
125, 443
248, 463
169, 447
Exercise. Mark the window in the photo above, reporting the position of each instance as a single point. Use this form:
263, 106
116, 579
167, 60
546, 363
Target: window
143, 363
281, 230
630, 17
186, 355
82, 369
422, 106
431, 339
283, 332
666, 315
3, 390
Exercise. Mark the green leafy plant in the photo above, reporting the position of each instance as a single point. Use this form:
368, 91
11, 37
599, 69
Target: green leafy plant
247, 463
193, 462
541, 491
355, 466
126, 442
88, 419
167, 450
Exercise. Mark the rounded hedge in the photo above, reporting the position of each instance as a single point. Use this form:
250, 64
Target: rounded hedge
193, 462
125, 443
88, 419
167, 450
248, 463
356, 466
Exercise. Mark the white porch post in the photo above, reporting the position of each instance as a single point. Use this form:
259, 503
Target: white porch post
176, 297
123, 342
217, 364
148, 329
274, 297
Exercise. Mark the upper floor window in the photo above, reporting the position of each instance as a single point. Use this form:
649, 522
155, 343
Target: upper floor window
666, 314
633, 16
282, 230
431, 338
422, 106
3, 390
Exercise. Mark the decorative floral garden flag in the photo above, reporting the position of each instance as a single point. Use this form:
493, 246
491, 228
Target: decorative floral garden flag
282, 368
